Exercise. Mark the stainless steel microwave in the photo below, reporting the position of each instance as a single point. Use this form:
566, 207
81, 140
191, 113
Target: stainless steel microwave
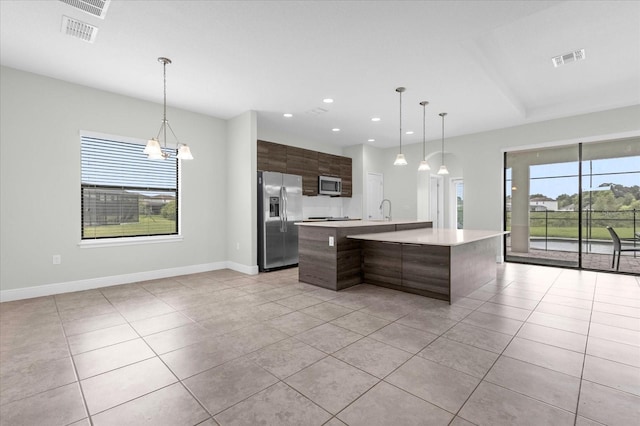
328, 185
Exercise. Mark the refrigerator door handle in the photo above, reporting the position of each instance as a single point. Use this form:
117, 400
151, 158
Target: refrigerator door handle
281, 212
284, 210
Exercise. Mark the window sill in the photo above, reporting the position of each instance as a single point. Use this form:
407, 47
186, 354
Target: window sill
129, 241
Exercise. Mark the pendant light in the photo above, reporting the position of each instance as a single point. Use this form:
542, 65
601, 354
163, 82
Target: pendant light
424, 166
400, 160
443, 169
154, 150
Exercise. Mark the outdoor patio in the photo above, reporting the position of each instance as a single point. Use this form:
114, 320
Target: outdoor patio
628, 262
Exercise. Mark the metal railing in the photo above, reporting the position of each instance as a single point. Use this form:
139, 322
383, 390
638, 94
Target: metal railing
554, 225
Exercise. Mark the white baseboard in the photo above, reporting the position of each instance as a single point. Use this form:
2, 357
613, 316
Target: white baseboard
245, 269
91, 283
500, 259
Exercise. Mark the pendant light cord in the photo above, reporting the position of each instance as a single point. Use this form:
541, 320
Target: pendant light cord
164, 117
424, 115
442, 114
442, 152
400, 122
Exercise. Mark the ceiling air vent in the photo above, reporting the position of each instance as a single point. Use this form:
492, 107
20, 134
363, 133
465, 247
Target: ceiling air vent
317, 111
574, 56
78, 29
92, 7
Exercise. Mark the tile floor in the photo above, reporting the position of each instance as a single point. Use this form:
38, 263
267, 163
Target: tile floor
537, 346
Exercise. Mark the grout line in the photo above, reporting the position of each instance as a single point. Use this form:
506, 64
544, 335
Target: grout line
586, 345
502, 354
75, 368
456, 322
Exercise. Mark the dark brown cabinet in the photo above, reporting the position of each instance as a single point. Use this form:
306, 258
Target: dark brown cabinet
304, 162
324, 164
345, 174
329, 164
274, 157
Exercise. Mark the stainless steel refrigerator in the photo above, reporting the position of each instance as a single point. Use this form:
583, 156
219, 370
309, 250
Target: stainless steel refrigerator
279, 207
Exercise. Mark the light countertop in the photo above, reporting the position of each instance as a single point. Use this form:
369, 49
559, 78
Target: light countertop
357, 223
430, 236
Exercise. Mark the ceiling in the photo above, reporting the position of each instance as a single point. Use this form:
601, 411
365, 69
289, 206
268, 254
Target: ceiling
486, 63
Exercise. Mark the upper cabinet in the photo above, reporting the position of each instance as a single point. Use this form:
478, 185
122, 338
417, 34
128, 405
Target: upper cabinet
304, 163
345, 174
309, 164
329, 164
272, 157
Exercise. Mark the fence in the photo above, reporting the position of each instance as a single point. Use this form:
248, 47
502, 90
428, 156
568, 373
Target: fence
564, 224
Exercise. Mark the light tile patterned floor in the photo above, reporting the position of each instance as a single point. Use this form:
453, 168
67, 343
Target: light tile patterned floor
537, 346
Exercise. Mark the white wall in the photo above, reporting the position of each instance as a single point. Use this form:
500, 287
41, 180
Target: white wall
401, 183
40, 120
241, 204
481, 155
478, 158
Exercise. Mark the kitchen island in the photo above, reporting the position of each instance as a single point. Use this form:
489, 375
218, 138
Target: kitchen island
328, 259
446, 264
409, 256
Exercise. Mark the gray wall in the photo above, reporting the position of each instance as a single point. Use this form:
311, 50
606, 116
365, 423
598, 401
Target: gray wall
40, 120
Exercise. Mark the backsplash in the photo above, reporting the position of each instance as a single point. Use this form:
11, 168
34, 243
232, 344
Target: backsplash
322, 206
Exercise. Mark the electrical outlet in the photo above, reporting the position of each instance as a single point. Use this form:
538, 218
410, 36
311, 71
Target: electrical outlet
57, 259
331, 242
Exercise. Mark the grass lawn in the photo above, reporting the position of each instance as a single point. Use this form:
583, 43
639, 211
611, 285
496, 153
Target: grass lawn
148, 225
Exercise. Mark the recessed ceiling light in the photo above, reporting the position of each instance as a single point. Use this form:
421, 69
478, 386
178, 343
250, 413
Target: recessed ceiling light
410, 132
335, 129
371, 140
375, 119
287, 115
327, 101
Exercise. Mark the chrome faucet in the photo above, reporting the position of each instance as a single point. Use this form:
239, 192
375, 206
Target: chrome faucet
381, 204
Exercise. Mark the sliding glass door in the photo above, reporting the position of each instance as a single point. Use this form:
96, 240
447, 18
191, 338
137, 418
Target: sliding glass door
611, 198
565, 206
544, 230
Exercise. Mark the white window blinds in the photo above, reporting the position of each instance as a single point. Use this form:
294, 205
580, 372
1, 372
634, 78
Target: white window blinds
125, 194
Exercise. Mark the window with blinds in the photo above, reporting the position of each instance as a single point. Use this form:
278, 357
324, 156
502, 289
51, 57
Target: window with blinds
125, 194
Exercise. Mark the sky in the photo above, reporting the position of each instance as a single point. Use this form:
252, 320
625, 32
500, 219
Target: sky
544, 178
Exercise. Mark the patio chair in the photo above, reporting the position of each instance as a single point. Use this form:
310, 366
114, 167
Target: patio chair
617, 246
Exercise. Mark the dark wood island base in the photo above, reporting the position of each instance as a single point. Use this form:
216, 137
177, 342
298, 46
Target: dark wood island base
440, 272
445, 264
327, 258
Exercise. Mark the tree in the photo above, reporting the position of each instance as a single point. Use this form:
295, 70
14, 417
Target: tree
169, 210
605, 201
564, 200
